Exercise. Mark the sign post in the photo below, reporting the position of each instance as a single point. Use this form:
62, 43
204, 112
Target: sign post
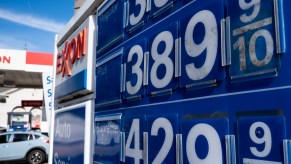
73, 93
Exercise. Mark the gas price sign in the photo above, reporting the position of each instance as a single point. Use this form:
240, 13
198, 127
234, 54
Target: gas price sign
165, 139
108, 83
153, 145
162, 60
69, 135
155, 57
203, 140
200, 44
136, 14
107, 138
184, 53
260, 139
255, 41
112, 28
161, 138
134, 128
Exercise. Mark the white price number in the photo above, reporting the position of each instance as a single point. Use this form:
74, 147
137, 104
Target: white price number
265, 139
214, 155
209, 43
134, 134
240, 44
253, 4
134, 20
165, 124
136, 69
162, 58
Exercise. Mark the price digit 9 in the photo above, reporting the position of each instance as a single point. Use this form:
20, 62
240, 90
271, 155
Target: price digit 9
265, 139
214, 155
255, 4
209, 43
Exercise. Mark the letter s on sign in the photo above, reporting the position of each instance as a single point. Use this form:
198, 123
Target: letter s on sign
49, 80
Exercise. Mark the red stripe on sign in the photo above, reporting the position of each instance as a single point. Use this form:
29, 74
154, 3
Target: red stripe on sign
39, 58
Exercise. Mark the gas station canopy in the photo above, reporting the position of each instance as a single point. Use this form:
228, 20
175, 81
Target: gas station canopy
22, 69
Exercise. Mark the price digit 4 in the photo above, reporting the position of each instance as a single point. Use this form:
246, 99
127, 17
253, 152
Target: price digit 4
134, 135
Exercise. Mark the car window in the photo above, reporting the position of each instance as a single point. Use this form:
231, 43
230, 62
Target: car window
4, 138
20, 137
36, 136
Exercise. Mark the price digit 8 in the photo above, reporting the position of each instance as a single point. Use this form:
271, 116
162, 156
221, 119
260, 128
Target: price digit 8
162, 59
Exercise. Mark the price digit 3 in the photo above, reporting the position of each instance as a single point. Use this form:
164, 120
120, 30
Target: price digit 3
135, 69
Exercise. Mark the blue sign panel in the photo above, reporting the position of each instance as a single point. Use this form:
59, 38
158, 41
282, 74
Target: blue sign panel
200, 45
253, 40
162, 60
108, 83
136, 14
204, 140
76, 84
183, 45
107, 139
162, 138
69, 136
260, 139
110, 24
134, 63
134, 127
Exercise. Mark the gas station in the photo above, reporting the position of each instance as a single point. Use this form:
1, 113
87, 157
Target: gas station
186, 81
24, 78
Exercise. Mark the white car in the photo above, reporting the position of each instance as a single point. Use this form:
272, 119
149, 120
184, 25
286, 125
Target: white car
29, 146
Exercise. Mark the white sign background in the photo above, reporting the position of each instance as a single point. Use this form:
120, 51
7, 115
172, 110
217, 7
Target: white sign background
17, 59
47, 82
